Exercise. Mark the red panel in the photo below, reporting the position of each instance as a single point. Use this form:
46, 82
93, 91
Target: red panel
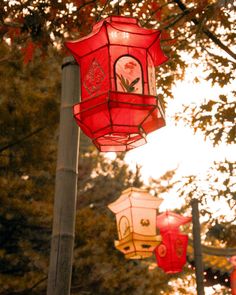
95, 73
116, 52
130, 35
233, 281
118, 121
140, 55
171, 253
156, 53
88, 44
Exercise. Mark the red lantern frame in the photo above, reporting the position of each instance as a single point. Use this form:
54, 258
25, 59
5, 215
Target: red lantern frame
118, 105
171, 253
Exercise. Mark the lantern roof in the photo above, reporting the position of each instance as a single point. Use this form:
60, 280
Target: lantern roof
171, 221
134, 197
119, 30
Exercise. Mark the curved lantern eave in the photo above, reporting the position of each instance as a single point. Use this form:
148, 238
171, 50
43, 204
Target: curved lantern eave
170, 220
153, 47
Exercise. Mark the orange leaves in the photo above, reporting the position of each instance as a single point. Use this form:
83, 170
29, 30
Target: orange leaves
78, 3
156, 10
165, 37
13, 33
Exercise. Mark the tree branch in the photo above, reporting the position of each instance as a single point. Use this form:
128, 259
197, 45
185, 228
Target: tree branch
38, 283
11, 24
210, 35
23, 292
21, 139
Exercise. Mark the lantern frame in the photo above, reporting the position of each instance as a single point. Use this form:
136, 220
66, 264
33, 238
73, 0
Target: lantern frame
137, 232
113, 112
171, 253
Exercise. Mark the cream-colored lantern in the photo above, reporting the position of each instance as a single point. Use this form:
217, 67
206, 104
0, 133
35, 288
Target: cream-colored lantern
136, 215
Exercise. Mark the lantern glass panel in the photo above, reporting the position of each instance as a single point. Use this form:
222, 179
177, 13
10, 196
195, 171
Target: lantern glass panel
151, 76
128, 73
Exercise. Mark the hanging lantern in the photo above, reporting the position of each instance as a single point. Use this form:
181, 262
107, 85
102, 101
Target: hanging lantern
171, 253
118, 105
233, 282
135, 213
233, 275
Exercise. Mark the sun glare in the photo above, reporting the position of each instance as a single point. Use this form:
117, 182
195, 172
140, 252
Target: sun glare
176, 146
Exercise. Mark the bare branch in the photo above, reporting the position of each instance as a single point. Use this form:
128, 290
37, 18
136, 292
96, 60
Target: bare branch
19, 141
210, 35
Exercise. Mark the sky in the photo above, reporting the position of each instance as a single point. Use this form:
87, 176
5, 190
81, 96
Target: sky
175, 145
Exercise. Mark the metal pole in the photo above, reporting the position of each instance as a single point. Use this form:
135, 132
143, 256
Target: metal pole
197, 247
61, 256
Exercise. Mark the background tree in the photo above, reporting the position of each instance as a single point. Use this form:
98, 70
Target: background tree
29, 126
28, 119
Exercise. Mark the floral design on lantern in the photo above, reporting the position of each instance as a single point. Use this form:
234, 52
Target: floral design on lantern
135, 213
171, 253
94, 77
119, 106
129, 74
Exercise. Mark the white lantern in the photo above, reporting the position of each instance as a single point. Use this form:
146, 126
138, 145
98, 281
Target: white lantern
136, 215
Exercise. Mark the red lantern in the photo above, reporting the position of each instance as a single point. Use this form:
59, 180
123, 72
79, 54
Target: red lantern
233, 282
233, 275
171, 253
118, 105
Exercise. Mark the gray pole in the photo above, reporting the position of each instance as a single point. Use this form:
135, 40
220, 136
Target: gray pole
61, 256
197, 247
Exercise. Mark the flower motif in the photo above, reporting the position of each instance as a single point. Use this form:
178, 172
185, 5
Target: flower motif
126, 85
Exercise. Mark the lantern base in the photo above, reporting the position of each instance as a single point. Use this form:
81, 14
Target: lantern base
136, 246
118, 121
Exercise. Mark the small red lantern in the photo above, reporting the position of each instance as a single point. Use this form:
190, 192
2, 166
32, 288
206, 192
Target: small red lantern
233, 282
118, 105
233, 275
171, 253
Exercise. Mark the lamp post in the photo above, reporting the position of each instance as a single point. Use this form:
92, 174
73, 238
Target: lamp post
60, 268
197, 247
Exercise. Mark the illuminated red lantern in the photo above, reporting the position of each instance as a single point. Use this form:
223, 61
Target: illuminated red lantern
118, 105
233, 275
171, 253
233, 282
